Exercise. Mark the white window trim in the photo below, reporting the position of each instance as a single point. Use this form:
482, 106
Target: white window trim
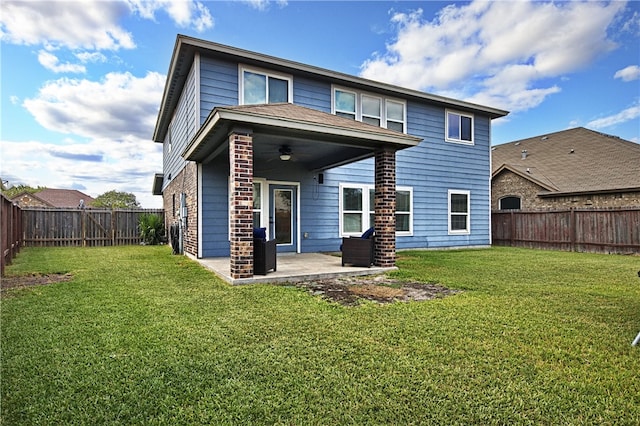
242, 68
446, 127
404, 114
458, 231
383, 106
380, 107
264, 218
333, 102
366, 189
408, 233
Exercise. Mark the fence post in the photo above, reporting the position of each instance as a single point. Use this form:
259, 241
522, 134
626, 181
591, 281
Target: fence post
572, 228
513, 229
113, 226
83, 225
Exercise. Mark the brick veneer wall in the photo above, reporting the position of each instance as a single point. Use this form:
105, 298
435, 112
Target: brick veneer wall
510, 184
385, 208
185, 182
241, 208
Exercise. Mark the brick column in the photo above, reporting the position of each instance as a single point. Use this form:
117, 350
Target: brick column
385, 208
241, 208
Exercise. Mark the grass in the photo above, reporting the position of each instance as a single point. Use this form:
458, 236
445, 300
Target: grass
139, 336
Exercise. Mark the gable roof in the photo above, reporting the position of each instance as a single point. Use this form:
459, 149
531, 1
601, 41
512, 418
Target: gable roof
572, 161
186, 47
63, 197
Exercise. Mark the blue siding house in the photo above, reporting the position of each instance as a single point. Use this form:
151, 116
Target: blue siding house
313, 155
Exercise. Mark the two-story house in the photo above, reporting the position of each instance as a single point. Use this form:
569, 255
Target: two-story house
313, 155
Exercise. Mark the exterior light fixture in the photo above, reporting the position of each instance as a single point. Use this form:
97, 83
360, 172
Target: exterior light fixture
285, 153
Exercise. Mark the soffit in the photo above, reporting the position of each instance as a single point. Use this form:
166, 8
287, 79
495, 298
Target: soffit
318, 139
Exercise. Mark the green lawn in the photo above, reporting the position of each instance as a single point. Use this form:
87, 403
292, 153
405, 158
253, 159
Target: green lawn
139, 336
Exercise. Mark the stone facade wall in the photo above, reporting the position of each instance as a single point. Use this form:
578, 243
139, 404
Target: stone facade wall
510, 184
185, 182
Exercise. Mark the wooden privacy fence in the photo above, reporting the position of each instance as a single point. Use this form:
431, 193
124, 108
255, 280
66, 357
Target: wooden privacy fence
84, 228
10, 231
582, 230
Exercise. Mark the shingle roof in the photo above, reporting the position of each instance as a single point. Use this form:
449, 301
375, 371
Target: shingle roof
575, 160
64, 197
186, 47
293, 112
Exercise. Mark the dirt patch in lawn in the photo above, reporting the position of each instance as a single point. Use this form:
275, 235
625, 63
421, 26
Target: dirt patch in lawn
25, 281
350, 291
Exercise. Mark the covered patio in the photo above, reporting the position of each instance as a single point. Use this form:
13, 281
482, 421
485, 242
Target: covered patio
248, 136
294, 268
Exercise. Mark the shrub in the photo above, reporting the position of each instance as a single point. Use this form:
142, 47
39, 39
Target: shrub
151, 228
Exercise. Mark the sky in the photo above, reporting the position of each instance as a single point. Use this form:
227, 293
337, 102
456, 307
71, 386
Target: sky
82, 81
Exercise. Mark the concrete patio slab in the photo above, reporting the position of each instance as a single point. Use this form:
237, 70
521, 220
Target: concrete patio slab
293, 268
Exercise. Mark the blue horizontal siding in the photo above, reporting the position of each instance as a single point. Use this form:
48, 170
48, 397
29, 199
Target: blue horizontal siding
432, 169
181, 129
218, 85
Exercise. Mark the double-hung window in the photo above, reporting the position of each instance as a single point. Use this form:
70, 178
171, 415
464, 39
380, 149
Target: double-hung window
345, 104
257, 205
395, 114
459, 212
261, 87
369, 108
259, 200
459, 127
357, 209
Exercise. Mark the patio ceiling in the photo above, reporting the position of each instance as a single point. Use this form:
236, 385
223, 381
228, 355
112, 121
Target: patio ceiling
317, 140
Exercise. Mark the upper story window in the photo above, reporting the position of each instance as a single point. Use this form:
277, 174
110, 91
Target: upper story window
395, 115
459, 127
263, 87
344, 104
371, 109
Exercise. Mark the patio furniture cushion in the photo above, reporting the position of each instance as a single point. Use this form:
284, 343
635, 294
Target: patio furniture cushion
260, 233
368, 233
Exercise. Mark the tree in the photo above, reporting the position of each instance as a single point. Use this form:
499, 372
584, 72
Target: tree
116, 200
19, 189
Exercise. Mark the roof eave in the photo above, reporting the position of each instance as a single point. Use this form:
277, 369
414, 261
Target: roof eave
223, 119
185, 42
505, 167
587, 192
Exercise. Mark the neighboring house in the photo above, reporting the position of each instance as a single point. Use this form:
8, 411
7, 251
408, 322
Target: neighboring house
61, 198
314, 155
571, 168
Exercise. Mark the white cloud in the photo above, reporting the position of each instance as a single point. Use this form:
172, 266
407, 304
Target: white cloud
628, 114
184, 13
93, 57
52, 63
119, 105
630, 73
263, 5
90, 24
500, 52
94, 167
